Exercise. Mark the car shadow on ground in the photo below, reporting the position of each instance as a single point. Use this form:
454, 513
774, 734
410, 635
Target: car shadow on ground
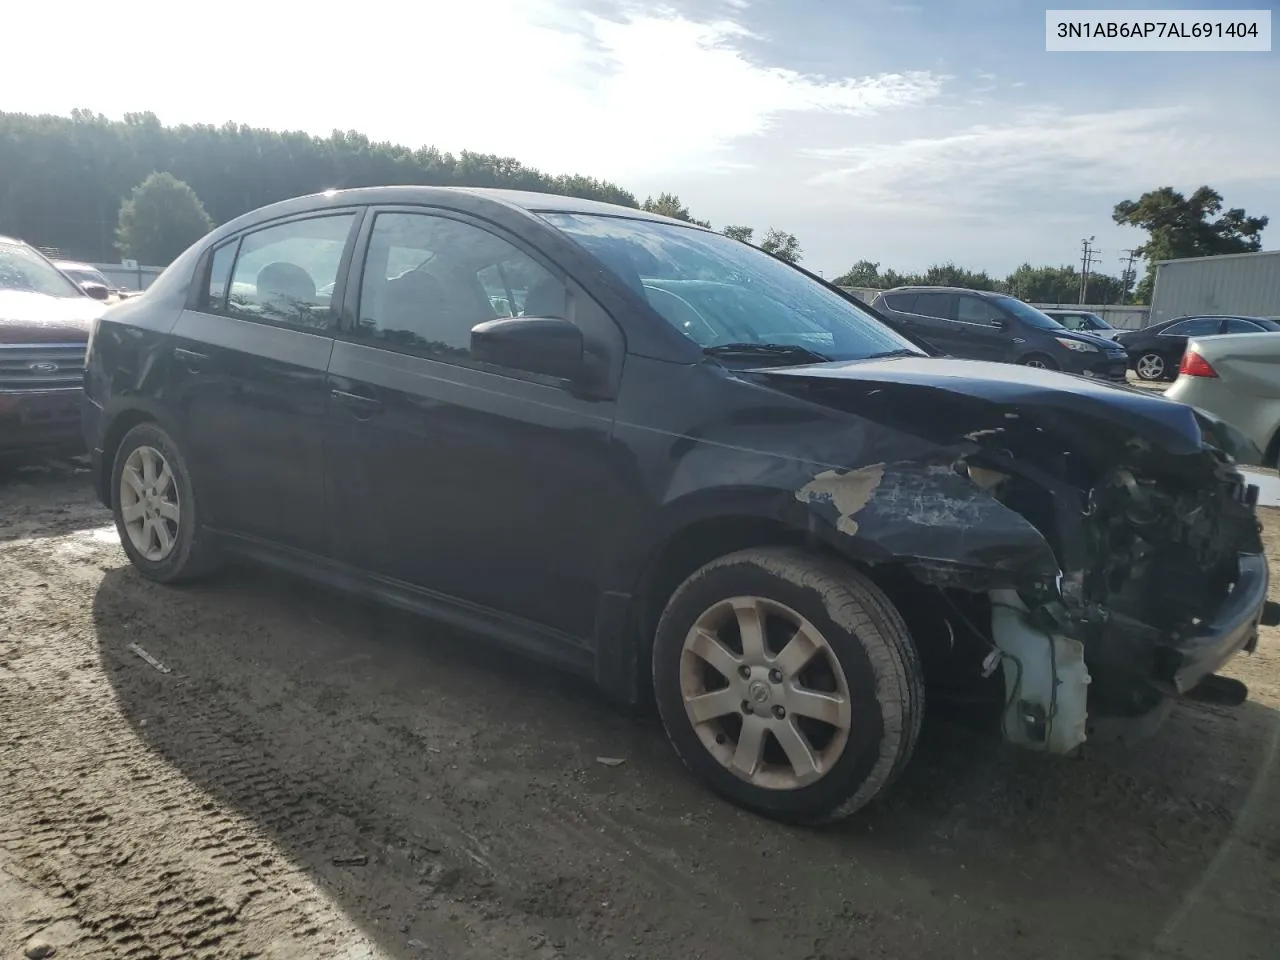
411, 771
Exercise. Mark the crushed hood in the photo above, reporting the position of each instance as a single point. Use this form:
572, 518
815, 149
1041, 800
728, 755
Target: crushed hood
949, 401
27, 317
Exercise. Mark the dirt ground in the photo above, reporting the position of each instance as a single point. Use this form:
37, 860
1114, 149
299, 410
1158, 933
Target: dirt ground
315, 778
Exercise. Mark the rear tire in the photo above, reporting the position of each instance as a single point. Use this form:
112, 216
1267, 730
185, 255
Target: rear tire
1151, 367
835, 683
155, 508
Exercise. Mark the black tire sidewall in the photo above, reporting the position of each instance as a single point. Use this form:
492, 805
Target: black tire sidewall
179, 563
861, 753
1049, 363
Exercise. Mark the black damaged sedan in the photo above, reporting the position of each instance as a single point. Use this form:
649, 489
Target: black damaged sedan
667, 460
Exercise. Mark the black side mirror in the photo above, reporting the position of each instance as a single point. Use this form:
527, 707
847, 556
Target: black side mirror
546, 345
95, 290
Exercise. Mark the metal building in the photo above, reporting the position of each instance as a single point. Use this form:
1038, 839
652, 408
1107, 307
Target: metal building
1243, 283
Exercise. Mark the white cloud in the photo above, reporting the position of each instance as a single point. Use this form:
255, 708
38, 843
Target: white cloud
1047, 152
557, 87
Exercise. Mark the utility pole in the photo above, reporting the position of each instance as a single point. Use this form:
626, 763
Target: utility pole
1128, 277
1087, 260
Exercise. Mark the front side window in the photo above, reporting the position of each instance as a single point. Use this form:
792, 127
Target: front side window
1027, 313
979, 311
286, 273
429, 279
21, 268
1196, 327
719, 292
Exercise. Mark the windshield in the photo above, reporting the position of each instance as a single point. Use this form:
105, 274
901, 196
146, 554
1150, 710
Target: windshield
21, 268
718, 291
1028, 314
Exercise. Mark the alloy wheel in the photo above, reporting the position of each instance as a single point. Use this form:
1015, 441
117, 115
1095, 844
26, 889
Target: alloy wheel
149, 503
1150, 366
765, 693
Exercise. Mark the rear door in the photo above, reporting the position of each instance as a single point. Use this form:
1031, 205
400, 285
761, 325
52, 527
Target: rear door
448, 474
248, 364
980, 324
928, 316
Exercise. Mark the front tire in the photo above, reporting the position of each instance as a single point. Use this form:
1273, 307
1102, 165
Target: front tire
788, 683
1039, 362
155, 508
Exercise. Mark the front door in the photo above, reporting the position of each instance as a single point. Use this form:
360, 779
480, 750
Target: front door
979, 324
247, 374
470, 481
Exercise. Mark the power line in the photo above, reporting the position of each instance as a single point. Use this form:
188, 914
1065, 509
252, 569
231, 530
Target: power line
1129, 275
1087, 260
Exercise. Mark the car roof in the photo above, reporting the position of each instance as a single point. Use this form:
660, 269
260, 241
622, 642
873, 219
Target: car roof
409, 194
14, 240
933, 289
1217, 316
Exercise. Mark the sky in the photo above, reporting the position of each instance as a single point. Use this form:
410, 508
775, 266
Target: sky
907, 133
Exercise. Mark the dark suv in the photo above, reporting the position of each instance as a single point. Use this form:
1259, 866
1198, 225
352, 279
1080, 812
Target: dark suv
979, 325
681, 466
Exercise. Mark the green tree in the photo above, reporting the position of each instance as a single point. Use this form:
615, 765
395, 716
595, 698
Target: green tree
62, 178
864, 273
160, 219
1179, 226
739, 233
949, 275
669, 205
782, 245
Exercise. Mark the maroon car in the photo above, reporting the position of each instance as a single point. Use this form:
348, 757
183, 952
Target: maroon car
44, 326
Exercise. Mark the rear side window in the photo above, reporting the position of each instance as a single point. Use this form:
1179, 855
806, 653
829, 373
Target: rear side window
287, 273
900, 301
933, 305
1196, 327
1236, 325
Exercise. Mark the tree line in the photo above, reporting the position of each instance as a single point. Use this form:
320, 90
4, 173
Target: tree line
1177, 226
97, 189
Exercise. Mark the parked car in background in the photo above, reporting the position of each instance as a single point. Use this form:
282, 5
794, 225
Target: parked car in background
1083, 321
978, 325
1236, 378
44, 325
89, 278
686, 466
1155, 352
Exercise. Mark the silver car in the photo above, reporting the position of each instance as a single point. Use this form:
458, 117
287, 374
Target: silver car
1236, 378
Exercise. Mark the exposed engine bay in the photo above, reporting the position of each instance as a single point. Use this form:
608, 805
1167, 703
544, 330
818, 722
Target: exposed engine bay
1103, 564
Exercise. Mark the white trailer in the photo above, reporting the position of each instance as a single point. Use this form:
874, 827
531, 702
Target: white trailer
1236, 283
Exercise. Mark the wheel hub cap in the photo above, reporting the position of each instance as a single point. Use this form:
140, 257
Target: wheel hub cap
765, 693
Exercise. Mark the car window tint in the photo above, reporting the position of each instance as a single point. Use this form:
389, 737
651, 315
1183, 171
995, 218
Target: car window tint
900, 301
215, 295
429, 279
977, 310
933, 305
286, 274
1195, 327
1236, 325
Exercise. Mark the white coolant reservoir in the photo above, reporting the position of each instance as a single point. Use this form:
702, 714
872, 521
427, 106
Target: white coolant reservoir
1046, 681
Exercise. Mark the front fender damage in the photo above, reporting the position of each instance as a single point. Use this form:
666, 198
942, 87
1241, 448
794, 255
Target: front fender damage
1102, 571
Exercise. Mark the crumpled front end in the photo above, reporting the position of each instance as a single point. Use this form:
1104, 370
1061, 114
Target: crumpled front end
1115, 572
